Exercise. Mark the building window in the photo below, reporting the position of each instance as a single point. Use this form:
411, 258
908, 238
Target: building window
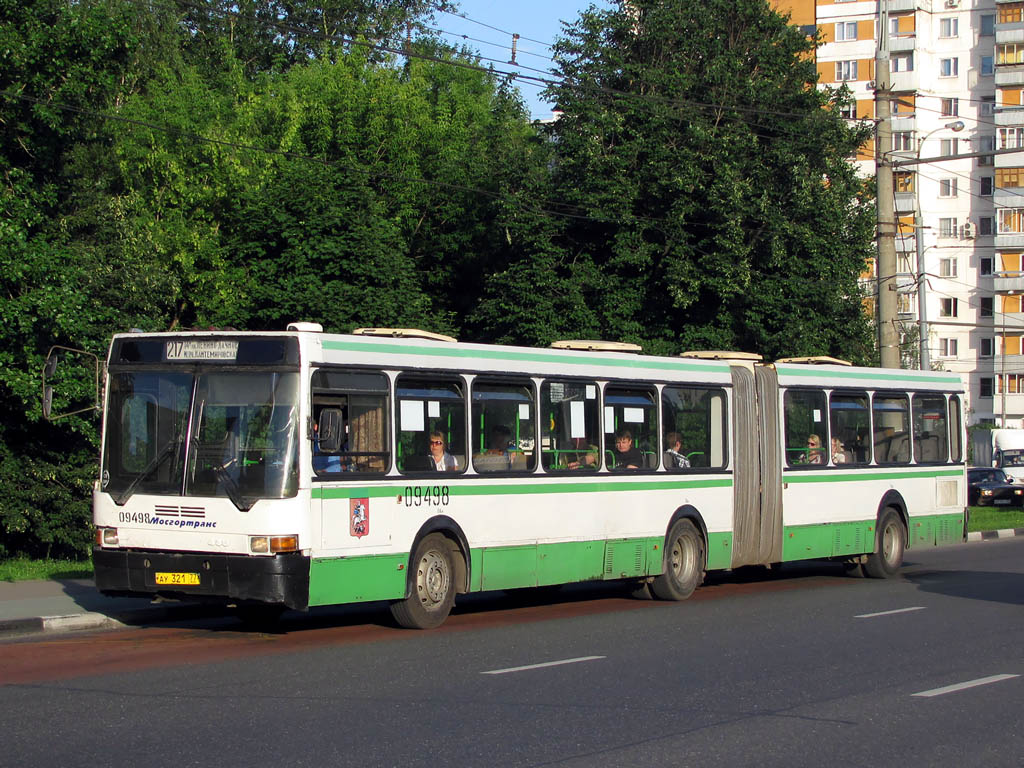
950, 107
988, 64
903, 181
1010, 221
846, 30
986, 265
947, 347
986, 225
1009, 177
949, 26
947, 267
1009, 53
849, 111
903, 62
949, 67
988, 24
986, 186
1010, 138
1010, 13
988, 347
985, 383
947, 227
988, 106
846, 70
950, 147
947, 307
986, 144
947, 187
985, 307
903, 141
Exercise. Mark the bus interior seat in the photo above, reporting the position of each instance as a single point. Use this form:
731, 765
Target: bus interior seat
899, 448
416, 463
490, 462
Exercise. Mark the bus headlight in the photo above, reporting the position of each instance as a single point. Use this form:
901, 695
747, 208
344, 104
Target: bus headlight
263, 545
986, 491
106, 537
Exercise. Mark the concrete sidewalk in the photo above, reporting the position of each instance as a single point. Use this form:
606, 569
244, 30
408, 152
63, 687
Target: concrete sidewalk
64, 605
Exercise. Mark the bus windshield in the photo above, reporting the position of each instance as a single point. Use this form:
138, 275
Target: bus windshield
226, 433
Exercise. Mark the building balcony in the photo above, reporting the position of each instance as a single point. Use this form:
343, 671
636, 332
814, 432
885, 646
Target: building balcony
902, 43
1009, 74
909, 81
909, 123
1008, 282
905, 202
1008, 116
1010, 33
1009, 240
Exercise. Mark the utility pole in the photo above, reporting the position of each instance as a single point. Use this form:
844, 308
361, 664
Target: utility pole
888, 340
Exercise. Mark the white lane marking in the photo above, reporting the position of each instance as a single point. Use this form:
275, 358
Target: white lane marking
962, 686
889, 613
539, 666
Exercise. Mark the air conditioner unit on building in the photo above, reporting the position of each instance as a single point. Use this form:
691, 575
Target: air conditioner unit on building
952, 3
969, 231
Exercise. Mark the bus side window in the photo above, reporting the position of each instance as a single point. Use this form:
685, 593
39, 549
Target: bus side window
503, 427
431, 416
891, 415
632, 410
694, 419
806, 429
569, 426
851, 423
955, 430
351, 407
930, 433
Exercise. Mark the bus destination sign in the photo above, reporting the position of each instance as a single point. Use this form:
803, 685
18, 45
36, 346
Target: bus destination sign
202, 350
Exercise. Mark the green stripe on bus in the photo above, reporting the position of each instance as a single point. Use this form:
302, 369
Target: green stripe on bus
845, 476
807, 542
532, 357
458, 487
874, 374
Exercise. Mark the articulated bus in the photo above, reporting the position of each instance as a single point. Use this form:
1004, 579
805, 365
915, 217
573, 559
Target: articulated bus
299, 468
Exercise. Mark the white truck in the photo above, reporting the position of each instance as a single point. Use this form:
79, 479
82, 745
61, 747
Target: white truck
1008, 452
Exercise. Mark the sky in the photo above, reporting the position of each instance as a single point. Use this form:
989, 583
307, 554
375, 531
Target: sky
491, 23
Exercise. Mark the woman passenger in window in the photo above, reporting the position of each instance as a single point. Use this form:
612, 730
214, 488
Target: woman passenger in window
814, 454
627, 456
442, 460
838, 455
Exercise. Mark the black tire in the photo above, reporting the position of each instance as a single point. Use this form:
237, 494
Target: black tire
891, 543
431, 586
684, 563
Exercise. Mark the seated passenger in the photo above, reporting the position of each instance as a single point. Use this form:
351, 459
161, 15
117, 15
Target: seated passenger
440, 459
838, 454
674, 459
627, 456
814, 454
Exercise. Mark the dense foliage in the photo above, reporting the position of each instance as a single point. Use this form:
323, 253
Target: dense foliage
171, 163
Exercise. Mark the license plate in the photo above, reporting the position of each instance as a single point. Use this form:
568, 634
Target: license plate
997, 501
178, 578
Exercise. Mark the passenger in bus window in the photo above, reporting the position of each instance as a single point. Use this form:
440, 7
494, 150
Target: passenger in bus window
584, 460
838, 455
627, 456
674, 459
442, 460
814, 454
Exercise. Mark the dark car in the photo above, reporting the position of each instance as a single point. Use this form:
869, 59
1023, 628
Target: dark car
992, 487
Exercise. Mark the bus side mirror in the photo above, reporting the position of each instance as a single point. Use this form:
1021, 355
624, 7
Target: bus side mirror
50, 367
47, 401
329, 430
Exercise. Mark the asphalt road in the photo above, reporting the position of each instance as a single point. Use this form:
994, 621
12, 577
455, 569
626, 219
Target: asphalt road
805, 668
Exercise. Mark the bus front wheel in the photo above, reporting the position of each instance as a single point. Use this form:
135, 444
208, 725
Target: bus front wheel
684, 563
431, 588
892, 541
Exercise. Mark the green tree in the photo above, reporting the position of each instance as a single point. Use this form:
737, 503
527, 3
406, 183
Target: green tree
708, 199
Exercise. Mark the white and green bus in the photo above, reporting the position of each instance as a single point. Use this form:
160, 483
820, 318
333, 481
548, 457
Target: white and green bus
300, 469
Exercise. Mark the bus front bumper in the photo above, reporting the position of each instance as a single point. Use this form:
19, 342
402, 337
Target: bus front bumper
281, 579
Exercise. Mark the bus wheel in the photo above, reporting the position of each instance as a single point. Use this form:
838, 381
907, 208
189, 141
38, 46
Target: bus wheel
892, 541
684, 563
432, 592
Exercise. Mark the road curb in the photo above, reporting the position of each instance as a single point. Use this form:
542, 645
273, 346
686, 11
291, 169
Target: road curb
78, 622
1002, 533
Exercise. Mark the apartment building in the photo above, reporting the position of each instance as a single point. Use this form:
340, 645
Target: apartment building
958, 89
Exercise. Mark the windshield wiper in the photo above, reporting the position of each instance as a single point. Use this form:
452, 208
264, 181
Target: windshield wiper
166, 452
244, 503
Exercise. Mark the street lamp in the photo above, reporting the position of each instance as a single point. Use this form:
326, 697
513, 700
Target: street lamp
922, 313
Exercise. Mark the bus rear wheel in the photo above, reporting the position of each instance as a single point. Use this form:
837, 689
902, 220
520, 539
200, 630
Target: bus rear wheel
684, 563
892, 542
431, 588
